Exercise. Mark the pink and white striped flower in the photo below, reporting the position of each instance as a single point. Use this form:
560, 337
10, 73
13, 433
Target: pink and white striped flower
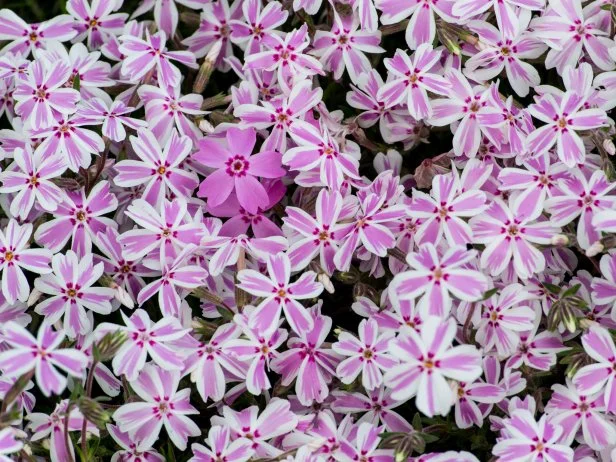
221, 447
25, 38
112, 116
259, 26
96, 20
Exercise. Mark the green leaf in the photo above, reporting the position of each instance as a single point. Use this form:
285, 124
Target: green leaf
76, 82
417, 422
552, 288
488, 293
571, 291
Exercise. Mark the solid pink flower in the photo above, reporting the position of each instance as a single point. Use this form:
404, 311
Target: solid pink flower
222, 448
410, 80
368, 355
237, 169
71, 289
15, 256
144, 55
523, 438
96, 20
437, 277
29, 37
145, 338
42, 95
426, 360
42, 355
279, 294
344, 47
162, 405
159, 169
30, 178
80, 217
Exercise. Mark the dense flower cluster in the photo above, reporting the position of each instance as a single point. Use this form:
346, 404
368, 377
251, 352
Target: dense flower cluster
306, 230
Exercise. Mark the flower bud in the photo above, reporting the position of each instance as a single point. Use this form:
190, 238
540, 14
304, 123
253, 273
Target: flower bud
609, 146
595, 249
93, 412
206, 127
206, 69
34, 297
108, 346
560, 240
123, 297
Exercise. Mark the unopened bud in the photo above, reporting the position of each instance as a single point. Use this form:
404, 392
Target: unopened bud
93, 412
327, 282
348, 277
595, 249
190, 18
108, 346
609, 146
123, 297
206, 69
560, 240
206, 127
364, 290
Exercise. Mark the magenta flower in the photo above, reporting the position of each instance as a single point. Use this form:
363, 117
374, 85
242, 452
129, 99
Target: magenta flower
144, 339
370, 228
309, 362
285, 116
426, 360
436, 278
132, 451
112, 116
502, 318
165, 108
144, 55
42, 355
213, 364
422, 26
509, 234
599, 376
411, 79
66, 138
43, 92
96, 21
259, 25
30, 178
286, 57
221, 447
162, 405
344, 47
258, 350
15, 256
442, 212
563, 115
165, 230
279, 294
237, 169
80, 217
30, 37
368, 355
71, 291
523, 438
503, 51
568, 30
159, 169
572, 411
583, 198
275, 420
316, 236
323, 156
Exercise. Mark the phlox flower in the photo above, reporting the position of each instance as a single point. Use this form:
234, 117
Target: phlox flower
221, 447
308, 361
162, 405
112, 116
368, 355
25, 38
42, 95
15, 256
583, 198
30, 178
537, 350
159, 169
286, 57
145, 338
96, 20
71, 289
468, 397
237, 169
427, 360
41, 355
604, 289
259, 25
365, 444
9, 443
523, 438
132, 451
78, 216
437, 277
144, 55
344, 47
503, 317
279, 294
166, 12
275, 420
411, 79
572, 411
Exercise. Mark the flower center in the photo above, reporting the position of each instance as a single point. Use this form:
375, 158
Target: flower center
428, 364
41, 93
438, 274
265, 349
166, 232
34, 180
562, 123
343, 40
323, 236
474, 107
72, 293
413, 78
126, 269
237, 166
285, 54
161, 170
81, 215
281, 293
494, 316
505, 51
513, 230
8, 256
33, 36
368, 354
93, 22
